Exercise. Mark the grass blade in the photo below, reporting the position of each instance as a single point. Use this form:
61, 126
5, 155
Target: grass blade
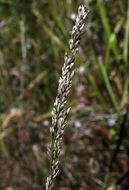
126, 39
108, 86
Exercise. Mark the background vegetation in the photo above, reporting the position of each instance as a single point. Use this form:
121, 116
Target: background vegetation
34, 36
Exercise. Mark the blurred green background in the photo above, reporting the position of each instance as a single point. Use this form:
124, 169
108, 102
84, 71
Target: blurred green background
34, 36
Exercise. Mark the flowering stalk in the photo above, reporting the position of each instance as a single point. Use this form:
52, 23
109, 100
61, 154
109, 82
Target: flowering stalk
59, 113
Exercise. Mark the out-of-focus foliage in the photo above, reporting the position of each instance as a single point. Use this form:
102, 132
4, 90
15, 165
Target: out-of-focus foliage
28, 87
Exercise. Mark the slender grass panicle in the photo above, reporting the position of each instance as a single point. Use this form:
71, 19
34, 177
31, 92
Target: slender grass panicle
59, 113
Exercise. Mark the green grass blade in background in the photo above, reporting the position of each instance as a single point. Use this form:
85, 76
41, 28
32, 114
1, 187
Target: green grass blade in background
54, 37
105, 180
103, 17
57, 18
126, 39
125, 92
3, 148
108, 36
49, 32
60, 24
121, 2
98, 94
113, 43
108, 86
